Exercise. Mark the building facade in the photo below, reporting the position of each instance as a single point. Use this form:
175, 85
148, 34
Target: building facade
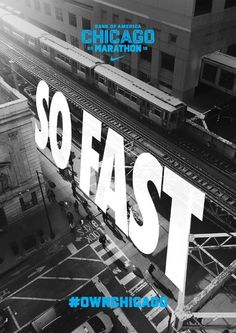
19, 187
185, 31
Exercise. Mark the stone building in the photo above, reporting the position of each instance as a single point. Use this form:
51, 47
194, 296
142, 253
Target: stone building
185, 31
19, 187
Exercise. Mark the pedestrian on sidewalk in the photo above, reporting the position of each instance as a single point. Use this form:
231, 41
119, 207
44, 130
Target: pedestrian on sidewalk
103, 240
53, 196
70, 217
85, 203
76, 206
49, 195
73, 187
151, 269
89, 217
105, 216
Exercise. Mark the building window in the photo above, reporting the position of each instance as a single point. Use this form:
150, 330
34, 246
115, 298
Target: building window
72, 19
59, 14
230, 3
28, 201
209, 73
128, 21
27, 3
115, 19
37, 5
86, 24
146, 54
125, 68
167, 61
227, 79
202, 7
143, 76
232, 50
74, 41
172, 38
103, 14
47, 9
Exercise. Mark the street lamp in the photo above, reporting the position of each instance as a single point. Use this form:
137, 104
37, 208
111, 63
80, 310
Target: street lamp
137, 271
52, 235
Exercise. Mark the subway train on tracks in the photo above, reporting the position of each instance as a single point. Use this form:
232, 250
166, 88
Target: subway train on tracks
151, 103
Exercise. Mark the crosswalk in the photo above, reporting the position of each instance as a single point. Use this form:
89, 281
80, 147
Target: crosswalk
115, 259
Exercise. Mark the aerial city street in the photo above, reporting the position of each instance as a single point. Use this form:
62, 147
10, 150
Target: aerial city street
117, 166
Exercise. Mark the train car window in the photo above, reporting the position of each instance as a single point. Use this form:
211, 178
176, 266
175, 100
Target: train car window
101, 79
82, 69
133, 98
156, 112
44, 47
127, 94
121, 91
209, 72
226, 79
32, 40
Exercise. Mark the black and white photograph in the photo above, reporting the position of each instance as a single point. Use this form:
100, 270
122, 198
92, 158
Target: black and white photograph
118, 166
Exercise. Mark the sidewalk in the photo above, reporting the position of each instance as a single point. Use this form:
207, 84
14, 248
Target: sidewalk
26, 237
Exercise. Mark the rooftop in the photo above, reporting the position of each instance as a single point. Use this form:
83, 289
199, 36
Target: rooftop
6, 95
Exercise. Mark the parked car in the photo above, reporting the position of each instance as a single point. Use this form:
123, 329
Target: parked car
100, 323
3, 321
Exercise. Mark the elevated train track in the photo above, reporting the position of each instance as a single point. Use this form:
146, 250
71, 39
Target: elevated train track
218, 194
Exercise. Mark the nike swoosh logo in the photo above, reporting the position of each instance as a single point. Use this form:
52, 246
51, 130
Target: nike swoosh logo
116, 58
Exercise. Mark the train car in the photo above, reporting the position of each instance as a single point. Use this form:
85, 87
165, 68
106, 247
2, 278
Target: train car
149, 102
218, 70
71, 58
23, 31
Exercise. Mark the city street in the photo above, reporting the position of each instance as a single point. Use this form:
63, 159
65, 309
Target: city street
76, 274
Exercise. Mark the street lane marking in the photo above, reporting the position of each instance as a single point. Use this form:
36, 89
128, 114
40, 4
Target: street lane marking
163, 324
129, 277
153, 313
60, 262
72, 248
113, 258
80, 287
86, 259
13, 317
35, 298
62, 278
